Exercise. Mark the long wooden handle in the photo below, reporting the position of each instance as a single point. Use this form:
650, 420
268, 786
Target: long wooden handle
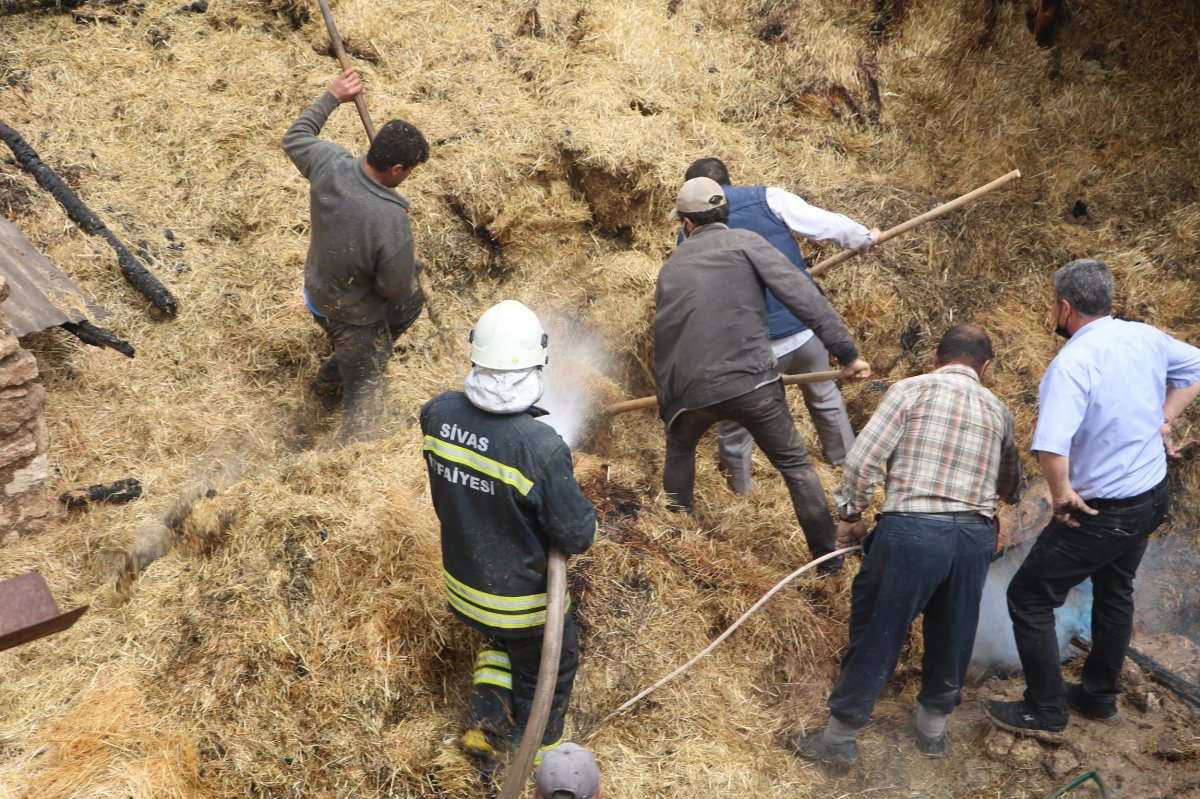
788, 380
359, 102
543, 694
904, 227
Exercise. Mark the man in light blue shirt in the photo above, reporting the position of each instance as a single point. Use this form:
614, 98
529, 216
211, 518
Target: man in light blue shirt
1105, 408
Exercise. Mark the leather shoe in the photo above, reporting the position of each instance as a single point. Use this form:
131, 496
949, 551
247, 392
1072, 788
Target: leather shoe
1079, 701
814, 747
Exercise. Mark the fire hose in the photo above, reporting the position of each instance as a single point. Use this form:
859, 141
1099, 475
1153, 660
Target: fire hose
543, 693
717, 642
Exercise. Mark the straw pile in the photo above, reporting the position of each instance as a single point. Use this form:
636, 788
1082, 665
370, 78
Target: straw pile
286, 634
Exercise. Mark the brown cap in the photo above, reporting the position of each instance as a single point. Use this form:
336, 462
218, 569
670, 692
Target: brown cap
699, 195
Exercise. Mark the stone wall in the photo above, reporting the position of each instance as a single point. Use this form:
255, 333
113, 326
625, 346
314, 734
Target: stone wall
23, 438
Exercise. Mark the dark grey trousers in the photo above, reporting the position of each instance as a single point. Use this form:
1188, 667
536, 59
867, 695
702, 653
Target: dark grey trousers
765, 413
359, 363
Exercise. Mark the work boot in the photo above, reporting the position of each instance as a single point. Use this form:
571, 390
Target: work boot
1019, 718
814, 747
1082, 703
831, 567
329, 379
475, 743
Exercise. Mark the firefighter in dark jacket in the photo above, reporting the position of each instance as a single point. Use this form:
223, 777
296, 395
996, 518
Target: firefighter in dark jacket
504, 490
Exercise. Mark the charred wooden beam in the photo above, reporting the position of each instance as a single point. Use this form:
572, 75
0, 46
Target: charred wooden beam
136, 274
98, 336
1185, 690
117, 493
1188, 692
21, 6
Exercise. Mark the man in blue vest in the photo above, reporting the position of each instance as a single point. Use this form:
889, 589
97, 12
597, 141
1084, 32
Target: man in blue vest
775, 215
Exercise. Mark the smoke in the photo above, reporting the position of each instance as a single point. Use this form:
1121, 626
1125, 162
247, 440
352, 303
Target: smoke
578, 365
1163, 597
994, 641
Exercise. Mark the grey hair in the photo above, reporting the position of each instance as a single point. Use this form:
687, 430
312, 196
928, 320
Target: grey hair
1087, 284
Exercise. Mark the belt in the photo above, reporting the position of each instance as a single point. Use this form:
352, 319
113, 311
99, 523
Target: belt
1126, 502
951, 516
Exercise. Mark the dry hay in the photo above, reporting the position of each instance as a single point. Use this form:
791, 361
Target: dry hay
300, 646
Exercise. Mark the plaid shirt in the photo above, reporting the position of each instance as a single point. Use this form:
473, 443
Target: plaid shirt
947, 444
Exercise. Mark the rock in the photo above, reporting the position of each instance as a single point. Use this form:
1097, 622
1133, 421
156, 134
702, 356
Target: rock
1060, 763
18, 368
976, 776
999, 743
1025, 753
29, 477
19, 406
1170, 747
20, 446
8, 343
1132, 676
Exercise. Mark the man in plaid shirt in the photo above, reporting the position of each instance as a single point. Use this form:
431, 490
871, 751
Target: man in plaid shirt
946, 446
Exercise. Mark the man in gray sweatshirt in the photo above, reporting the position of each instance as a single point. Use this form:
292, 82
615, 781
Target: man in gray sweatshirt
360, 277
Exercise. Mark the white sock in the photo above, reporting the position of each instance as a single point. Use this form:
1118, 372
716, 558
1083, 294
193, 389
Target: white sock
929, 723
837, 732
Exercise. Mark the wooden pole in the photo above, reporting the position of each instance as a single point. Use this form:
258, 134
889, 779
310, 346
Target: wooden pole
788, 380
336, 40
543, 694
941, 210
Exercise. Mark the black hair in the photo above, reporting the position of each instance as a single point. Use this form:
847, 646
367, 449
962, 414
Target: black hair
718, 214
965, 344
397, 142
708, 167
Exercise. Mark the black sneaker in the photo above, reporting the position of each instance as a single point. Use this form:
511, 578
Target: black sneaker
1017, 717
1079, 701
813, 747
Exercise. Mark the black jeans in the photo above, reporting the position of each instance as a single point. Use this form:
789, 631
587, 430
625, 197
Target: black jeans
490, 704
911, 565
359, 362
1107, 548
765, 413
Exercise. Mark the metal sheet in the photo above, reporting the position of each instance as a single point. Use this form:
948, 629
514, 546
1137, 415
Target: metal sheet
28, 611
40, 296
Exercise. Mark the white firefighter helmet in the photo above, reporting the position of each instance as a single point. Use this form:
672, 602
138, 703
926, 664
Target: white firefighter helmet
508, 336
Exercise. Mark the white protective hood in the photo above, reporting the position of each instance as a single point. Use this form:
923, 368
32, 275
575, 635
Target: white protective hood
503, 391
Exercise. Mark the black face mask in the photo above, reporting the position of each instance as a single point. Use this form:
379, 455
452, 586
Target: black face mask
1060, 329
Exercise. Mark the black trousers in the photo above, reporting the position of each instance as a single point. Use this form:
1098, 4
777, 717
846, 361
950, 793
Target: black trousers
765, 413
1107, 548
494, 708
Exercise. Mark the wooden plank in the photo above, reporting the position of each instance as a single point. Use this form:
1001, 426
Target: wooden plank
40, 296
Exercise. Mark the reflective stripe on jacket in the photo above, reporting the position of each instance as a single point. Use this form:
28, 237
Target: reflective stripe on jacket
504, 490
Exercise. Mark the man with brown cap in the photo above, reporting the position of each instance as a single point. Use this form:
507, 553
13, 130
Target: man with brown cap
780, 216
713, 359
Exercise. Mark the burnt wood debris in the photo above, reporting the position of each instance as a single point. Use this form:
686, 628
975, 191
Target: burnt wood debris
136, 274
